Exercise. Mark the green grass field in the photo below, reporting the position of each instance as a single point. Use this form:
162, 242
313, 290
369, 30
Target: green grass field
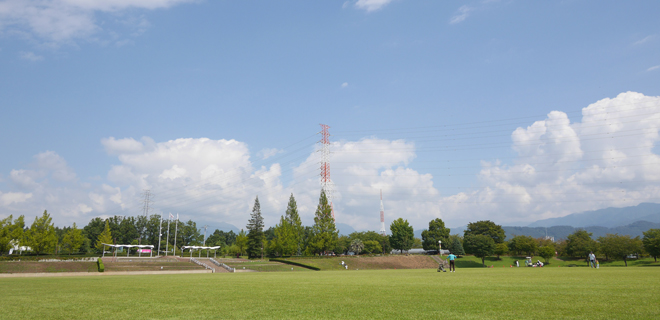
478, 293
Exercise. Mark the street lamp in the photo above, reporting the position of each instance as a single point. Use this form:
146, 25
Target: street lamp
440, 247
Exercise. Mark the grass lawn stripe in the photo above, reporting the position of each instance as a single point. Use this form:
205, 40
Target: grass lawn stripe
504, 293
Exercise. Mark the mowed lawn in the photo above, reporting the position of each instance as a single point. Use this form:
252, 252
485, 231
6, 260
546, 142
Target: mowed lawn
483, 293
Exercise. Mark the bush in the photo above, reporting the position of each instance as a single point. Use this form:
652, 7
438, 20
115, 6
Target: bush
100, 265
295, 264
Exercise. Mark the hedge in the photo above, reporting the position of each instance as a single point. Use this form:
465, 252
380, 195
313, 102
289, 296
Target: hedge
100, 264
296, 264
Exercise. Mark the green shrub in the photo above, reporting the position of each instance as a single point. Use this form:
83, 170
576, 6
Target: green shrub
100, 265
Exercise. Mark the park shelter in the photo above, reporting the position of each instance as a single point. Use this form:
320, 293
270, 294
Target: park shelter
200, 248
129, 246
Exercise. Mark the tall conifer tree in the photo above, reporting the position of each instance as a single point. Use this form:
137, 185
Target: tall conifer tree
255, 228
293, 218
104, 237
324, 231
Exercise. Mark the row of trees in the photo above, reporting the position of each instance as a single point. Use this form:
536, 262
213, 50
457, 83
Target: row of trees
485, 238
612, 246
290, 237
42, 236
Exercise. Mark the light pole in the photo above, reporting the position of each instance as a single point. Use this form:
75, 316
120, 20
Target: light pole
440, 247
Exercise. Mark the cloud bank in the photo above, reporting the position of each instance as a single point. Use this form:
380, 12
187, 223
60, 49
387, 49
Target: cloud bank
607, 158
60, 21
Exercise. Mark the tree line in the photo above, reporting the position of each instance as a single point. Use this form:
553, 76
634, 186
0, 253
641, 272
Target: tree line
485, 238
289, 237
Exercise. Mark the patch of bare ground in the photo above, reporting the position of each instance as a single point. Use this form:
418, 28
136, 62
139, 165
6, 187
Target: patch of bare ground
150, 265
371, 262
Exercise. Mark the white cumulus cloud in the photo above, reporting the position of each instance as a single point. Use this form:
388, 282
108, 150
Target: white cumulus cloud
371, 5
63, 20
607, 159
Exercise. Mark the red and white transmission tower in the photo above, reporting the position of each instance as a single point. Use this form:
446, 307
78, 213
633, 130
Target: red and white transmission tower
326, 182
382, 215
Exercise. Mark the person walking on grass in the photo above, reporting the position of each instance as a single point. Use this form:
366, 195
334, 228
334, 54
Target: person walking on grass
452, 266
592, 260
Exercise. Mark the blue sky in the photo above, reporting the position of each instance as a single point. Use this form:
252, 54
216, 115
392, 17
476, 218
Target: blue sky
464, 110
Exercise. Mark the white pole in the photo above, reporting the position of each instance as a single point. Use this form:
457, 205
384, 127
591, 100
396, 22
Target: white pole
440, 247
103, 254
160, 234
206, 226
167, 242
176, 229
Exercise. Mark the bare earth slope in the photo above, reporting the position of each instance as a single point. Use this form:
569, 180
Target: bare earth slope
372, 263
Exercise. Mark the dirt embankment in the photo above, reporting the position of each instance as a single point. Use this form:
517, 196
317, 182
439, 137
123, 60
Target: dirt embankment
46, 267
373, 263
111, 265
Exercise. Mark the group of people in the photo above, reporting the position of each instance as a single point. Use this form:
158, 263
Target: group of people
593, 263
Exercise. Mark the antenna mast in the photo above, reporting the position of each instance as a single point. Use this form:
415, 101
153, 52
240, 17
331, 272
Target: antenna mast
382, 215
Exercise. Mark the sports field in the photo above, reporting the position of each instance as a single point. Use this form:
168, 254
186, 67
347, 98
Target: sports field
488, 293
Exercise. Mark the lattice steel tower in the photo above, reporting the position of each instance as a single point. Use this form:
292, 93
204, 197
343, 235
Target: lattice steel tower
383, 232
326, 182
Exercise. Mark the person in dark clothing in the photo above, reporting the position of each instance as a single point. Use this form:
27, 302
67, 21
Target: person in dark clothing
452, 267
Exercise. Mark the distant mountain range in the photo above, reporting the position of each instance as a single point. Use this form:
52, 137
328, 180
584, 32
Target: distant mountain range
609, 217
561, 232
631, 221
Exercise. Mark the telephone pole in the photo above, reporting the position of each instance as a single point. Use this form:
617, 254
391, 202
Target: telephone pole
206, 226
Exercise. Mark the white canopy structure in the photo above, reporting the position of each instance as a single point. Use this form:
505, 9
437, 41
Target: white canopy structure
129, 246
200, 248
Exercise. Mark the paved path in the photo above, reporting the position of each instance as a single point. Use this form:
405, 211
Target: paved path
78, 274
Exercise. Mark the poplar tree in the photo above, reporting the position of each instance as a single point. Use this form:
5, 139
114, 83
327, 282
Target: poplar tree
255, 228
73, 239
41, 235
284, 242
104, 237
293, 219
324, 231
241, 242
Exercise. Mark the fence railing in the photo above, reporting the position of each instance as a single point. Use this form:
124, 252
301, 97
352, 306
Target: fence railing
202, 264
220, 264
